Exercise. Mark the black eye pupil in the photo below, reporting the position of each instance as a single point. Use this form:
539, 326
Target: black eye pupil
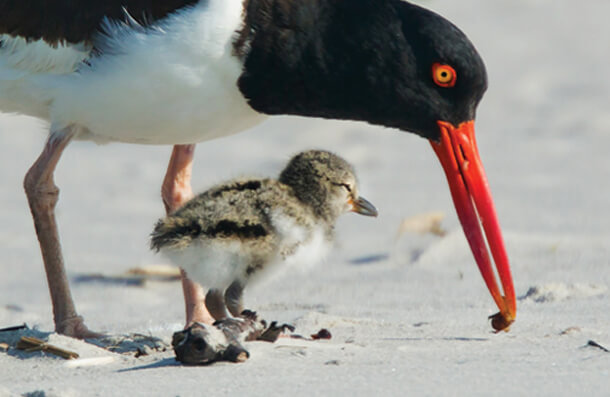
444, 74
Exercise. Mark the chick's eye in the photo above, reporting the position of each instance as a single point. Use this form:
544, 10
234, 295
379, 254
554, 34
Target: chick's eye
443, 75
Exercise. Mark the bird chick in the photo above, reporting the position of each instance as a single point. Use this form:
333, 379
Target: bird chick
243, 229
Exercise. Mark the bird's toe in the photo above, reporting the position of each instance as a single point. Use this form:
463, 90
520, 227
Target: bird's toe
76, 328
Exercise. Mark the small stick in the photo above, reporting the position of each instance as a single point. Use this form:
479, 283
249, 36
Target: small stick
595, 344
30, 344
14, 328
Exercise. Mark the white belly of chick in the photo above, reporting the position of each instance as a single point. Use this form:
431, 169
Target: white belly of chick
300, 248
213, 264
216, 263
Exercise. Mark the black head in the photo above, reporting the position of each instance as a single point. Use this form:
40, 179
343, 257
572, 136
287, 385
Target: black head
369, 60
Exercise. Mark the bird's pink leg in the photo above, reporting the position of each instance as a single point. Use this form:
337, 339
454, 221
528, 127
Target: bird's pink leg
175, 191
42, 196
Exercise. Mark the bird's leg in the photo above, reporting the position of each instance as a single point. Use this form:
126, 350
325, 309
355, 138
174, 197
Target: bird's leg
234, 298
42, 196
215, 303
175, 191
194, 302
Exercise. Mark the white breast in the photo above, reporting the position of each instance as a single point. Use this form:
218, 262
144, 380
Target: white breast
213, 264
174, 83
216, 263
301, 247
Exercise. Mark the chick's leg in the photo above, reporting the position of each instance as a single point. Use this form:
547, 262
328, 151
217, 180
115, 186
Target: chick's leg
234, 298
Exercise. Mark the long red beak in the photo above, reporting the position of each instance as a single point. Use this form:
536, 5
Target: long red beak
458, 153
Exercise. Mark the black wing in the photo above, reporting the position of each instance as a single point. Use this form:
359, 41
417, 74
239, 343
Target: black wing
75, 21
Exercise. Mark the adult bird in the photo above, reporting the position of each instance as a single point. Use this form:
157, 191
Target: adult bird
183, 71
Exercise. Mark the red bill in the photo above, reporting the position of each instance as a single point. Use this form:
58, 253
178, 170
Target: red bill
459, 156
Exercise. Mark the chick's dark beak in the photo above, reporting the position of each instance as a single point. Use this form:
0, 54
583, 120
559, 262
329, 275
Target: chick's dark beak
363, 207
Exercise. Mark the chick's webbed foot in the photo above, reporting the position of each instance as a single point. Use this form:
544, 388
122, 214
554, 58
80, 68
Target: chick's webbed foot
273, 332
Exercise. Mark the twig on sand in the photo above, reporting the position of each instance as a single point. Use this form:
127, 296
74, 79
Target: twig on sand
593, 343
135, 277
428, 223
165, 272
31, 344
14, 328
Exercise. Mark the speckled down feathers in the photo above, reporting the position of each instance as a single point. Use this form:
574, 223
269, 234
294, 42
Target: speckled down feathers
235, 230
239, 209
313, 174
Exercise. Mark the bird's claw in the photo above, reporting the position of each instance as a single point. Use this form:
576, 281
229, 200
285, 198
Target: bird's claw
76, 328
273, 332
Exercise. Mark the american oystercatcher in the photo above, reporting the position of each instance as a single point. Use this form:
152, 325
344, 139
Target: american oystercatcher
184, 71
241, 230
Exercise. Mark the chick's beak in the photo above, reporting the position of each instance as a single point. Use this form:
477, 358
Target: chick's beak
363, 207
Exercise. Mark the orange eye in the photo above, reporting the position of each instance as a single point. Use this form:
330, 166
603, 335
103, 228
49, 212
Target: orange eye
443, 75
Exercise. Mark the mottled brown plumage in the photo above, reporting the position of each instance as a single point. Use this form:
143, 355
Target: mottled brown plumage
240, 229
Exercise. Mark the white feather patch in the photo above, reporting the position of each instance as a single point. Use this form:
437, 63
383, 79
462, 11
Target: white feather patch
24, 57
212, 263
301, 248
27, 66
216, 263
174, 83
171, 83
311, 244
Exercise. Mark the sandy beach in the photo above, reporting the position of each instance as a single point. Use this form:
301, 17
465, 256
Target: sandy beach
407, 312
